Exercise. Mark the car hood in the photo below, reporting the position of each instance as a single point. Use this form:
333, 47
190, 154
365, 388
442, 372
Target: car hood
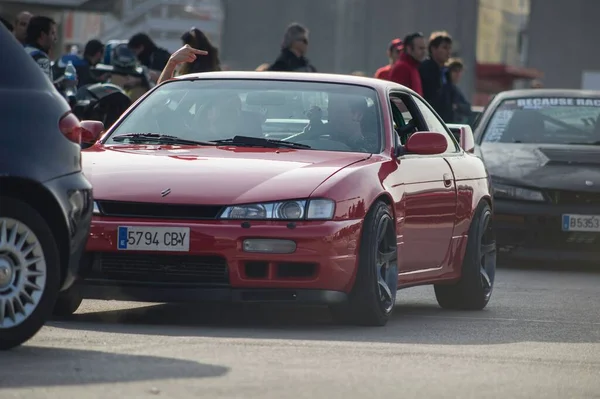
211, 175
560, 167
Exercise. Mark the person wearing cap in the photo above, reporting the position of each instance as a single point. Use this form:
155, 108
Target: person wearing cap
406, 70
394, 50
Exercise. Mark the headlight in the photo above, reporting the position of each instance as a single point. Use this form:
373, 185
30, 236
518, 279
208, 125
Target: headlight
525, 194
96, 210
313, 209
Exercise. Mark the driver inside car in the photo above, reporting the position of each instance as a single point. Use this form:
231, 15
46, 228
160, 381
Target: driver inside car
343, 123
223, 118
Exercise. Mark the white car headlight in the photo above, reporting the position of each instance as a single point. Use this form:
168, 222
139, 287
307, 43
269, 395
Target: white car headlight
519, 193
314, 209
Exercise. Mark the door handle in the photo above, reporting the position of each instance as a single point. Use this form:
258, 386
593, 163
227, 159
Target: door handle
447, 179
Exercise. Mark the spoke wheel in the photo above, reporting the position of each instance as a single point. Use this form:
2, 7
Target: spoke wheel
22, 272
487, 254
29, 272
478, 272
386, 264
372, 299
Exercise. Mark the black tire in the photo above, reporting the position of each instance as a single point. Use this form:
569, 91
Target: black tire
474, 289
68, 302
11, 337
367, 306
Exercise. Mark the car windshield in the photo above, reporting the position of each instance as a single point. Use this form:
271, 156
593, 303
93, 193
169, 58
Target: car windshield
318, 116
545, 121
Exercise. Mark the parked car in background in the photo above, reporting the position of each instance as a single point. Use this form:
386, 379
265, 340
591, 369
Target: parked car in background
476, 112
542, 150
45, 201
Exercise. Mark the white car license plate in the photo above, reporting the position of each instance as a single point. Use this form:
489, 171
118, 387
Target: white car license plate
581, 223
138, 238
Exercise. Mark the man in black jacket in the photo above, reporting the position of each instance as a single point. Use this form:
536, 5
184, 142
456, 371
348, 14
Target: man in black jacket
293, 50
437, 90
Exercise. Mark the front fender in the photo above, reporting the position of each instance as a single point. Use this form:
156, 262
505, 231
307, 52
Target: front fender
356, 187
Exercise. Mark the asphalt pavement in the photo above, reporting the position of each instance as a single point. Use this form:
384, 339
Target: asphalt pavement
538, 338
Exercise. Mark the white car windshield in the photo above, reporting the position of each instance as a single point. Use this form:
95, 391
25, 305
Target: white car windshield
545, 121
322, 116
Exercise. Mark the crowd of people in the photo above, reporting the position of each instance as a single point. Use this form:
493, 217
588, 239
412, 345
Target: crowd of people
38, 35
419, 63
425, 66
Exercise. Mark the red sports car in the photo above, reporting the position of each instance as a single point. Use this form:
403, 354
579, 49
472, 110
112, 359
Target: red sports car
312, 189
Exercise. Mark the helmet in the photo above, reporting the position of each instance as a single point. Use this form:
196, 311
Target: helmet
104, 102
123, 57
116, 53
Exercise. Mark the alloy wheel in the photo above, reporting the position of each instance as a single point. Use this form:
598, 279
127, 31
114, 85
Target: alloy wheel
487, 253
22, 272
386, 261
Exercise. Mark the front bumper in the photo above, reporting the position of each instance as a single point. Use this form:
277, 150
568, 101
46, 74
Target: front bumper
533, 231
74, 195
216, 267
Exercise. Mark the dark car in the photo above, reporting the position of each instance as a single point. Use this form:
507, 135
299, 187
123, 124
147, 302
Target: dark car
45, 200
476, 112
542, 150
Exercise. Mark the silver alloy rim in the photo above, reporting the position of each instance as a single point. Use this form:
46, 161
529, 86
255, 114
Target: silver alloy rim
22, 272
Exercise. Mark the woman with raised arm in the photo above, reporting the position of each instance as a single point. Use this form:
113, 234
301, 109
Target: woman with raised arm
185, 54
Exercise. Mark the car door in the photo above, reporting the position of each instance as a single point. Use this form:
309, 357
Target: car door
426, 185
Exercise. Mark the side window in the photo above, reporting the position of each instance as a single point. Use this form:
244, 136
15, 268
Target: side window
434, 124
405, 121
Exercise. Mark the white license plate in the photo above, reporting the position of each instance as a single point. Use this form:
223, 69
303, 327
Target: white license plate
581, 223
137, 238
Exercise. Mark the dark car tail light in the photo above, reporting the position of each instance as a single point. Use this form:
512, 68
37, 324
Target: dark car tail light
70, 127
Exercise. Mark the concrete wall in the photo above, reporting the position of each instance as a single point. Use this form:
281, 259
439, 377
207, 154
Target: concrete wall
345, 35
563, 40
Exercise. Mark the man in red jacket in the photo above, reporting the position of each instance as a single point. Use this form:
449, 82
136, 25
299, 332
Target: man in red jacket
406, 70
394, 51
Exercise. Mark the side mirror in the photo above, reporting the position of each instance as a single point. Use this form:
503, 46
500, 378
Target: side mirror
426, 143
467, 142
91, 131
464, 136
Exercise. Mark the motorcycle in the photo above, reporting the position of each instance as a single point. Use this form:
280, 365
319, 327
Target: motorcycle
104, 101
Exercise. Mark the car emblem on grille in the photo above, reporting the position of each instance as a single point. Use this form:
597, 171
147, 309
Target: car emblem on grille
165, 192
589, 183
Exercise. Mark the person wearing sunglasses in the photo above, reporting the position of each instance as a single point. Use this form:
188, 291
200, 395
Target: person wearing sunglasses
293, 50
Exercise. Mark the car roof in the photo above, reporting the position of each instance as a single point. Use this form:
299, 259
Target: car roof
17, 69
543, 93
377, 84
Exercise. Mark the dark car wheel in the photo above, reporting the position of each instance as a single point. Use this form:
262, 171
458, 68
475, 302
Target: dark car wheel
474, 289
29, 272
372, 299
68, 302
